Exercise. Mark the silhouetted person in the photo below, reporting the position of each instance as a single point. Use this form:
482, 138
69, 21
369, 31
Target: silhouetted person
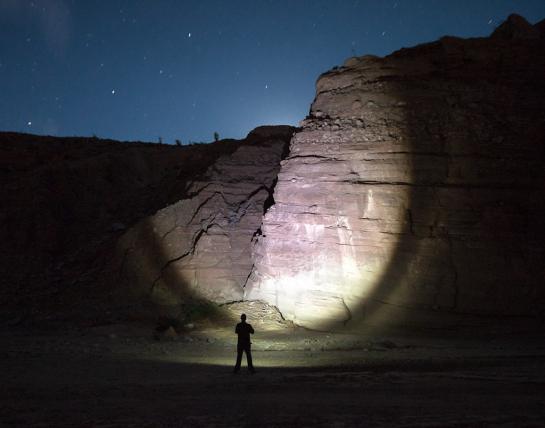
243, 329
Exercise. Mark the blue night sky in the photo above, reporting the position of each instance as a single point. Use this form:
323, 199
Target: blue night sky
140, 69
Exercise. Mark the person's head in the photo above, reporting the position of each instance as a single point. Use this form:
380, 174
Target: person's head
243, 317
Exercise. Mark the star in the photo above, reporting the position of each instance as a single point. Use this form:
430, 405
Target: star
29, 123
188, 35
266, 86
113, 91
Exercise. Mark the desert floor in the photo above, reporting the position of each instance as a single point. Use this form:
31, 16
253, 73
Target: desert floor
121, 375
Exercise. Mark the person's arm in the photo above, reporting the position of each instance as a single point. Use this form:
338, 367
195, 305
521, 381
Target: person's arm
237, 329
251, 329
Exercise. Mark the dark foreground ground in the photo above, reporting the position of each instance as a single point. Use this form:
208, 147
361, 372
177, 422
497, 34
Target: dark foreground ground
120, 376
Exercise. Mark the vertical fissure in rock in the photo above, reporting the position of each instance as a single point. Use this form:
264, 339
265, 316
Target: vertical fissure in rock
348, 312
269, 202
246, 282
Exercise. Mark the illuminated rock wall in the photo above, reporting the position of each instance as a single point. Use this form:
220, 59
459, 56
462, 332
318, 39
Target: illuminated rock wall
415, 186
200, 246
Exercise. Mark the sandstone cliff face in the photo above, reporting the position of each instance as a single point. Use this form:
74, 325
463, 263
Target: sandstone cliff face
199, 248
416, 186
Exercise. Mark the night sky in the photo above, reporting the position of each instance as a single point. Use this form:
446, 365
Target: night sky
140, 70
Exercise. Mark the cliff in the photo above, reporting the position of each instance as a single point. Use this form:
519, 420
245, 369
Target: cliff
198, 249
415, 188
413, 193
66, 202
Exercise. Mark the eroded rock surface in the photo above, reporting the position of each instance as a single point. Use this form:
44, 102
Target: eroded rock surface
415, 187
200, 246
67, 201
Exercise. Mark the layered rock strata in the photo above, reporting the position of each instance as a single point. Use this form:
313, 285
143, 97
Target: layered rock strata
415, 186
200, 246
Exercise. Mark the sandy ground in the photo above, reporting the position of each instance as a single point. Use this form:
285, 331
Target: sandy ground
120, 375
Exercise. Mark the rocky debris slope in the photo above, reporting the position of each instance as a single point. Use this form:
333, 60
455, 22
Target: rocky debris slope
262, 316
415, 188
199, 248
66, 202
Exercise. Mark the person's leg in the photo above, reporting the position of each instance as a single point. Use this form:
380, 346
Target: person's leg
249, 358
239, 359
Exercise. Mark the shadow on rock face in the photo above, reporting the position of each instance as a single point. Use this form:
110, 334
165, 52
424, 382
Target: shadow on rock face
66, 201
474, 228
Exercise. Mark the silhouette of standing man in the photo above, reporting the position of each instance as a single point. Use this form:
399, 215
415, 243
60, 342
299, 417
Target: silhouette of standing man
243, 329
